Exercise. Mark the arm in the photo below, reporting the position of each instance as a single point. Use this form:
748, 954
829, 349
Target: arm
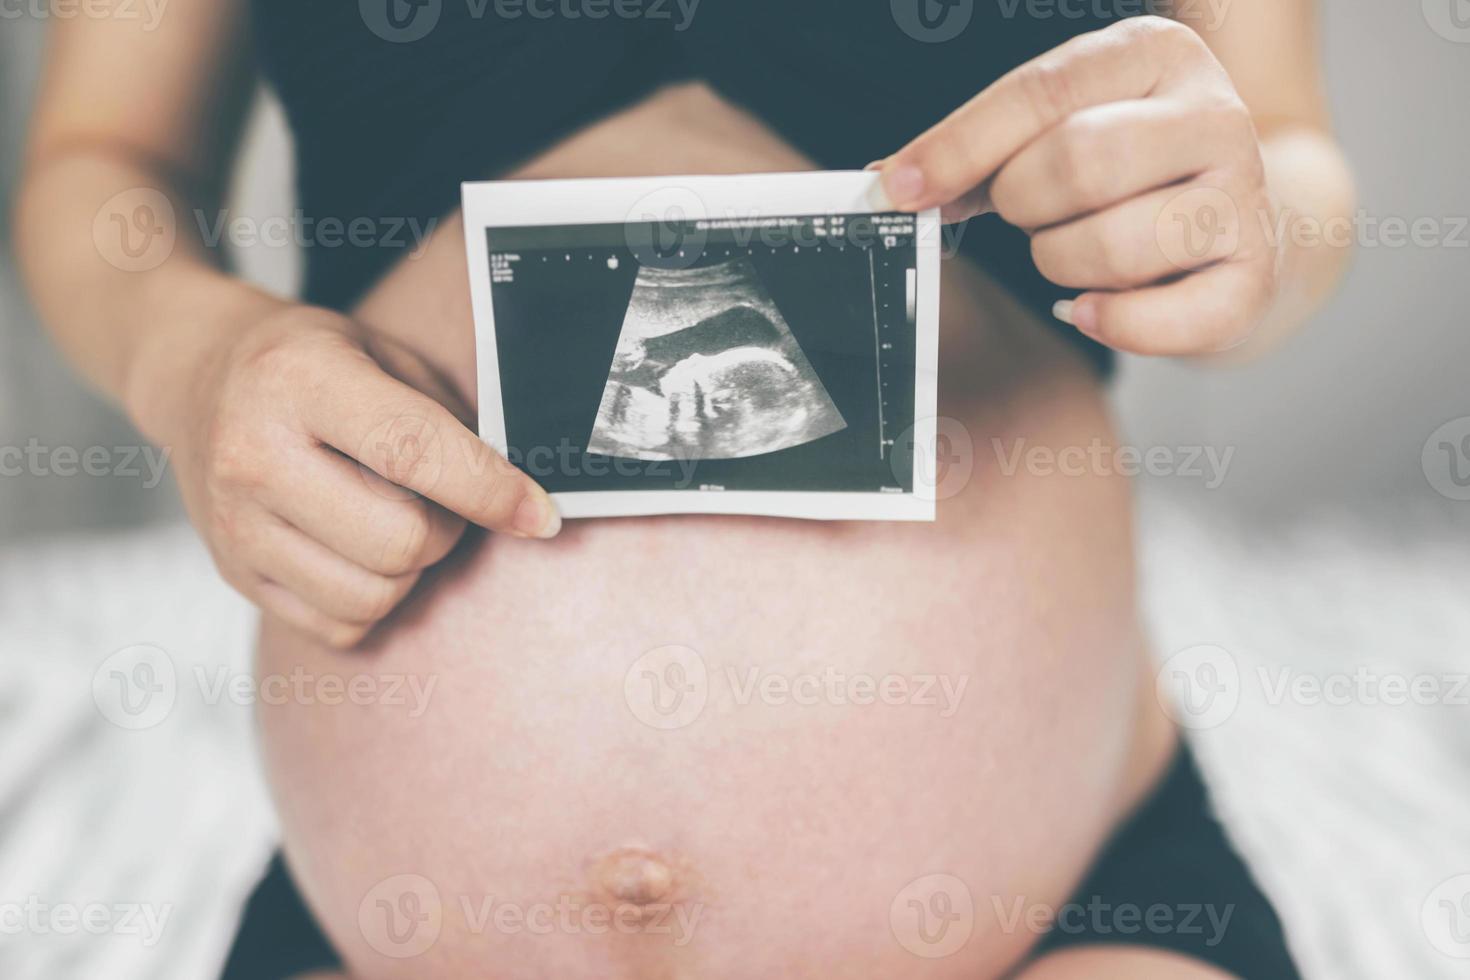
317, 460
1270, 50
1159, 171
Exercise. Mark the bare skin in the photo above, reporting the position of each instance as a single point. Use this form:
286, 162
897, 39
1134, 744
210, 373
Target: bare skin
532, 676
786, 834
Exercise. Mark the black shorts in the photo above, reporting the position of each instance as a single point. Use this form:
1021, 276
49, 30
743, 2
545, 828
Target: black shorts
1168, 879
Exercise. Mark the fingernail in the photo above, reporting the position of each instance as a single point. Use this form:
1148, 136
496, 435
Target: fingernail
875, 165
1081, 315
878, 198
537, 517
904, 185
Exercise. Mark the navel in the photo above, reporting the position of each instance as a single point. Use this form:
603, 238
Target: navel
634, 876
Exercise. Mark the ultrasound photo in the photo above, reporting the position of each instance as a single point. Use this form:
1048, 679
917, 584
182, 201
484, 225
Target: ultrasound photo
775, 356
706, 368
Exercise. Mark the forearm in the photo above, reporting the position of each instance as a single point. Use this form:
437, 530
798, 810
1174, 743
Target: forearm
129, 320
1314, 197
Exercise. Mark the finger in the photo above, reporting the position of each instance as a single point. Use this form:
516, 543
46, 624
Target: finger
411, 440
362, 517
1132, 244
292, 610
968, 206
407, 366
289, 608
332, 585
1130, 60
1206, 312
1109, 153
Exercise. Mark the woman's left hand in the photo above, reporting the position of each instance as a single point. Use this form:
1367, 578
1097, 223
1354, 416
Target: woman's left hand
1129, 158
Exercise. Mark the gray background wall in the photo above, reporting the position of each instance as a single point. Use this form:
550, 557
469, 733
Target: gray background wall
1336, 420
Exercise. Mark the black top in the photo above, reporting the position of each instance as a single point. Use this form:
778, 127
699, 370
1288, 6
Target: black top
394, 102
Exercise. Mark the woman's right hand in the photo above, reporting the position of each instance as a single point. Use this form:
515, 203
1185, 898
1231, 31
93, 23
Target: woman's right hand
324, 470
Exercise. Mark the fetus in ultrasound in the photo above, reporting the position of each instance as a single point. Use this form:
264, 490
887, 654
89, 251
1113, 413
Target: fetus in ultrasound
706, 367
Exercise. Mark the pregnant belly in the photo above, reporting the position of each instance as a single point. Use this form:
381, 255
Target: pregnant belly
716, 747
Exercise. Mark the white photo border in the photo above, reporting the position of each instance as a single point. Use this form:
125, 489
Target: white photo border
537, 203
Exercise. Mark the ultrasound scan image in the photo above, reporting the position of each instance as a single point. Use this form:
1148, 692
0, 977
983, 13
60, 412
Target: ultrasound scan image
707, 368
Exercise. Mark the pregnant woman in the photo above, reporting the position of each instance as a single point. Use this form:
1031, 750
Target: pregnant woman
558, 809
